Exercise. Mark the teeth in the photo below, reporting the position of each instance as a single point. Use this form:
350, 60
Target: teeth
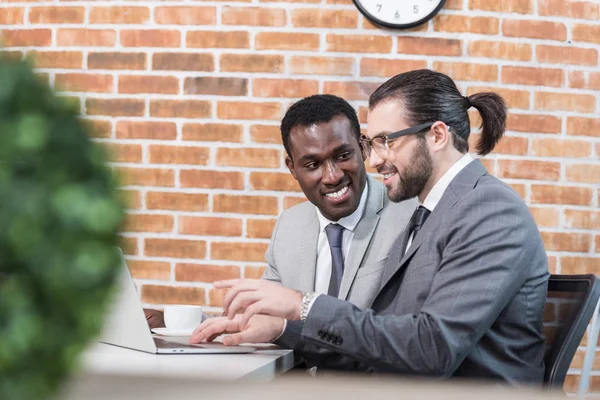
338, 194
385, 176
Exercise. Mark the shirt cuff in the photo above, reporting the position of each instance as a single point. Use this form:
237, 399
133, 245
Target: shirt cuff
283, 330
311, 304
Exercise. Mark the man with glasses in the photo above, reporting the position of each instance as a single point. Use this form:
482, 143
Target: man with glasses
464, 289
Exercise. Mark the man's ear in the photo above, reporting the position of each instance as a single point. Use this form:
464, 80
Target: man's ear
290, 164
441, 135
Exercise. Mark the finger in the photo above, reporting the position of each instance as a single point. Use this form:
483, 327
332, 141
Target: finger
243, 286
204, 324
242, 301
235, 339
255, 308
208, 328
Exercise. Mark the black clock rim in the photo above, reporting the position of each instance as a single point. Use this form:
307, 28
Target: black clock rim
384, 24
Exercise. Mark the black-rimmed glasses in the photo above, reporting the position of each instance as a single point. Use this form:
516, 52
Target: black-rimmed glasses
381, 143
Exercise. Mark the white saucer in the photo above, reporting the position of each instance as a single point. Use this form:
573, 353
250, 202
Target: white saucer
167, 332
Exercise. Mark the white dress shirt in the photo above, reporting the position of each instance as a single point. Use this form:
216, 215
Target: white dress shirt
323, 269
437, 191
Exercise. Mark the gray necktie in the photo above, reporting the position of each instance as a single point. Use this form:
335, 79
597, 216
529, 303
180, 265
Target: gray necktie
335, 233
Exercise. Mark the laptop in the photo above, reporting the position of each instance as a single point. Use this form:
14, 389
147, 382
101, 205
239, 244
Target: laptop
126, 326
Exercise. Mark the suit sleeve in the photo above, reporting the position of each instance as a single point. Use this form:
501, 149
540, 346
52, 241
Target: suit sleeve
484, 264
271, 272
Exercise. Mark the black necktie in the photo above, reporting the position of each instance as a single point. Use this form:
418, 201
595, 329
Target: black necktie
417, 221
334, 236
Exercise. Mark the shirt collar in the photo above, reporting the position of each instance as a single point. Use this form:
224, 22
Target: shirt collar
436, 193
349, 222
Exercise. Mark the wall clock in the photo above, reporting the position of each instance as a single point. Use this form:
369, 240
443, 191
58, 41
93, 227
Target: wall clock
399, 14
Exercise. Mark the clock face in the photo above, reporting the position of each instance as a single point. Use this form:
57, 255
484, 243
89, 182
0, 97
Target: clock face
399, 13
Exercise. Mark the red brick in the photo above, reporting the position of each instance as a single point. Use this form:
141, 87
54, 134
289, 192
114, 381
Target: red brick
566, 55
251, 63
287, 41
183, 62
183, 155
351, 90
586, 33
84, 82
582, 219
57, 59
507, 6
279, 181
155, 294
534, 29
324, 18
561, 241
533, 76
292, 201
583, 103
147, 176
265, 205
119, 15
25, 37
247, 110
260, 228
150, 38
461, 23
148, 84
549, 147
126, 61
253, 272
186, 15
149, 223
546, 194
577, 79
132, 198
254, 16
248, 157
359, 43
586, 173
525, 169
180, 108
210, 226
321, 66
216, 85
501, 50
126, 153
238, 251
115, 107
507, 145
534, 123
513, 98
211, 179
468, 72
129, 245
265, 134
520, 189
568, 8
177, 201
545, 217
146, 130
387, 68
12, 16
97, 128
429, 46
56, 15
157, 270
219, 39
294, 88
211, 132
205, 273
86, 37
216, 297
176, 248
580, 126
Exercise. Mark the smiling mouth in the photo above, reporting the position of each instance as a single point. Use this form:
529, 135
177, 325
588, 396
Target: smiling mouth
338, 194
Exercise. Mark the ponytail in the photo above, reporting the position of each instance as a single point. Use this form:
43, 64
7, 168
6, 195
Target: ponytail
492, 109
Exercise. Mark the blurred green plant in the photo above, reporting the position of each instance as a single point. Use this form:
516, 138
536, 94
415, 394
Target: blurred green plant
59, 217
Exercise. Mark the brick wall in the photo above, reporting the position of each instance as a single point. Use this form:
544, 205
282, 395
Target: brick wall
188, 95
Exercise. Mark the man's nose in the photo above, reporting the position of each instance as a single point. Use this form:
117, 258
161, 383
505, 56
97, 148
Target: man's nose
375, 160
331, 173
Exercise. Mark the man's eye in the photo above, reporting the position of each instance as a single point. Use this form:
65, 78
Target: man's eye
311, 165
344, 156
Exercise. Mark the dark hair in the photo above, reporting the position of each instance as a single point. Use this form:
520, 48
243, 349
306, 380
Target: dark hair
319, 108
429, 96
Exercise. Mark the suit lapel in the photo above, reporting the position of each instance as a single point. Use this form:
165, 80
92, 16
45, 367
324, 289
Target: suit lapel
362, 237
308, 255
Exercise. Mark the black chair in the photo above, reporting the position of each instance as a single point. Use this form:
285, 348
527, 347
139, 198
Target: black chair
571, 302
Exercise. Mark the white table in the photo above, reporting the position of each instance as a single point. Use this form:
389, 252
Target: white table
263, 366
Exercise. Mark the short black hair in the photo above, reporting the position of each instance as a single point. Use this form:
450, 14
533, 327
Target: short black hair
316, 109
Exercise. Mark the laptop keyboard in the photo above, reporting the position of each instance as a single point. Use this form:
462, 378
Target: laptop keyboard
165, 344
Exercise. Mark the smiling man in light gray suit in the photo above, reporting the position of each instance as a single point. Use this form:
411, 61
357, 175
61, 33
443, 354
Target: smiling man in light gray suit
464, 289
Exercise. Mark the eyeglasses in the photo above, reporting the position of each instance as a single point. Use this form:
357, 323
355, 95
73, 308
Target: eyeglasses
381, 143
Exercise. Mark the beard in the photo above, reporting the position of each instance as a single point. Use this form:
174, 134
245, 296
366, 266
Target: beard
414, 177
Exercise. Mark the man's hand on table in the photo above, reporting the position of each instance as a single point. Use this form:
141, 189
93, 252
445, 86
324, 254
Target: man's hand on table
155, 318
259, 296
259, 329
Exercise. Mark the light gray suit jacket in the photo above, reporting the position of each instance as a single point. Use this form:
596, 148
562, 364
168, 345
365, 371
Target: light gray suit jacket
292, 253
466, 299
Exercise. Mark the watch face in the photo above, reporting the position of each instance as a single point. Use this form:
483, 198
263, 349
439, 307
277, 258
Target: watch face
399, 13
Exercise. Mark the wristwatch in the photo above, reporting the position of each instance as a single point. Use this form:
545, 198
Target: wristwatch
307, 298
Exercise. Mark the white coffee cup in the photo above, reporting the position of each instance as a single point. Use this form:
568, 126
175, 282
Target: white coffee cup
182, 317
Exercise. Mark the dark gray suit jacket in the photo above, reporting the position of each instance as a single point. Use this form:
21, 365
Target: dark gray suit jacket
466, 299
